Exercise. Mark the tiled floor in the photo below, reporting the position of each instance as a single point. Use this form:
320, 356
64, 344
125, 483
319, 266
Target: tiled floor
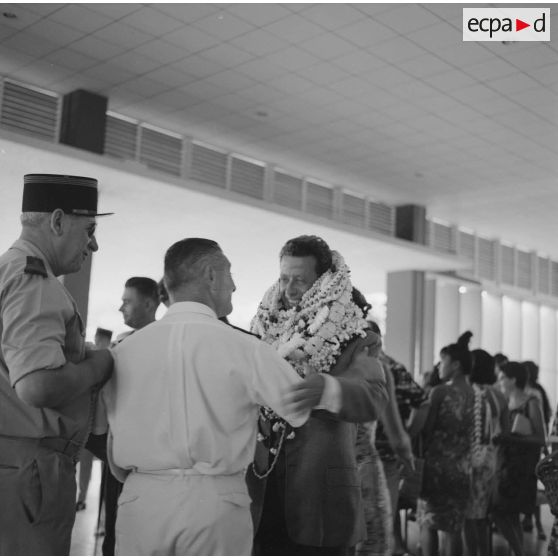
84, 542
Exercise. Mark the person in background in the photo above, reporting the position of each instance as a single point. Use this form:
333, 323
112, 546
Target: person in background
490, 418
499, 360
101, 341
552, 549
446, 436
517, 483
393, 442
48, 379
535, 388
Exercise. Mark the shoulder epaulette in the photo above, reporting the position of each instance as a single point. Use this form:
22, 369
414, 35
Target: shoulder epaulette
35, 266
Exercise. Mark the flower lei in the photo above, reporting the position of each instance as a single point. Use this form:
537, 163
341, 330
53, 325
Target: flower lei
315, 332
478, 449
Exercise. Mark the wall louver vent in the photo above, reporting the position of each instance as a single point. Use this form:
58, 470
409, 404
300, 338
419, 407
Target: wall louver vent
467, 245
208, 165
121, 138
507, 264
544, 275
319, 200
287, 190
554, 277
441, 237
381, 218
247, 178
486, 259
30, 111
524, 270
353, 211
160, 151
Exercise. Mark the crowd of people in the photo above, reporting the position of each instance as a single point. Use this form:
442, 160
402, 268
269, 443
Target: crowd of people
294, 438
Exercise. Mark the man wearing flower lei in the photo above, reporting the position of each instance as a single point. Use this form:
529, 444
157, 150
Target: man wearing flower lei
304, 482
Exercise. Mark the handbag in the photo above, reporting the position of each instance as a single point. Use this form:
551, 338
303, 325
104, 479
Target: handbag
521, 425
411, 485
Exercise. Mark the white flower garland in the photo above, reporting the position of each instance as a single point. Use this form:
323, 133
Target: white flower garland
315, 330
479, 451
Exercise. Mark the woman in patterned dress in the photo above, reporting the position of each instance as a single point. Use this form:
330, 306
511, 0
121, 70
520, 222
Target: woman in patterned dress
446, 441
490, 417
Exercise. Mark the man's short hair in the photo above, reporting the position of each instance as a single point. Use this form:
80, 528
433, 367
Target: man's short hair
33, 218
186, 259
309, 245
145, 286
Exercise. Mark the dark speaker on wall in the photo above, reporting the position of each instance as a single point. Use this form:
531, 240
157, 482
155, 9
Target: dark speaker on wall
83, 123
410, 223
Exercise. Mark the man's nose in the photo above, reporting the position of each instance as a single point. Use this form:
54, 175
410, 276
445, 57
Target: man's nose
93, 246
291, 286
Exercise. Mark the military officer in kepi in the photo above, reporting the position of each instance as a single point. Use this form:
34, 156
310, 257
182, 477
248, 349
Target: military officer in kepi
48, 379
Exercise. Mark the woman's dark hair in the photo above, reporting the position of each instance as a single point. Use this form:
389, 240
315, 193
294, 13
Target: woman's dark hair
434, 377
532, 371
360, 300
500, 358
515, 370
459, 352
482, 371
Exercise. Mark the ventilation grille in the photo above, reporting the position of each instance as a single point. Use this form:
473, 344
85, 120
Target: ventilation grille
544, 275
287, 190
554, 281
160, 151
507, 264
319, 200
120, 138
208, 165
524, 270
381, 218
467, 245
247, 178
353, 212
29, 111
486, 260
441, 237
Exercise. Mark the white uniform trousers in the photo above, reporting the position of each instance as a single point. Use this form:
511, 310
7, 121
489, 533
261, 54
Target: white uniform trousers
181, 512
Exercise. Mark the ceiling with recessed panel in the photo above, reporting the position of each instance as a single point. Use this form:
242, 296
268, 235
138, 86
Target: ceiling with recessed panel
384, 99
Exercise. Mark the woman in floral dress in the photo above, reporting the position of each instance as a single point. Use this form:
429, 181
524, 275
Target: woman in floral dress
446, 441
490, 418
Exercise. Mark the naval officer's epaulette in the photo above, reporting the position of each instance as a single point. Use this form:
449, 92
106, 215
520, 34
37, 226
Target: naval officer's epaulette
35, 266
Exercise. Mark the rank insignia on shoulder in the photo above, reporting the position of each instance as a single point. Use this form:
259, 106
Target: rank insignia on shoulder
35, 266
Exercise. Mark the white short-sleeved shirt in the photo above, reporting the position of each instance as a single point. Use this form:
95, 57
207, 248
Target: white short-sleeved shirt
186, 390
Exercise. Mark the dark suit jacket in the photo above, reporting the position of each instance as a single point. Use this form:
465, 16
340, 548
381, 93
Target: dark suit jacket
317, 470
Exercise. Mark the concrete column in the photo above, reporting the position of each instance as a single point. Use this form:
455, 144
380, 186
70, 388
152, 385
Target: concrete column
406, 317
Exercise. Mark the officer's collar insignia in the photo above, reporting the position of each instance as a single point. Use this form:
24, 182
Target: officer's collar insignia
35, 266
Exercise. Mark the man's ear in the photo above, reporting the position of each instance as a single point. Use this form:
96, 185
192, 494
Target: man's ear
210, 274
57, 222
